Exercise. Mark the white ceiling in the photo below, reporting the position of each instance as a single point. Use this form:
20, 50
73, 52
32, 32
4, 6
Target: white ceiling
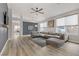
49, 9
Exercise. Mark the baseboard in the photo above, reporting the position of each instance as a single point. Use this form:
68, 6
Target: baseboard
3, 48
73, 42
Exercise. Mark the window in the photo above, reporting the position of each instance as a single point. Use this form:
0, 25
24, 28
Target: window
71, 20
43, 26
60, 22
60, 29
67, 24
72, 29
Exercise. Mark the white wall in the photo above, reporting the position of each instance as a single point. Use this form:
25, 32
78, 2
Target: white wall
10, 24
3, 31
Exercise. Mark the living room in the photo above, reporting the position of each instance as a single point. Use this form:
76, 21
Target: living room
51, 28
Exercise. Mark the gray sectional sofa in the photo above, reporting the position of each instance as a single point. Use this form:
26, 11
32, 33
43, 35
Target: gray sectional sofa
54, 39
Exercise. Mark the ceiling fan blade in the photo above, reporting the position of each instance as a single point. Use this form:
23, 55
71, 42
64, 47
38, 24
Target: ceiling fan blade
41, 12
40, 9
33, 9
32, 12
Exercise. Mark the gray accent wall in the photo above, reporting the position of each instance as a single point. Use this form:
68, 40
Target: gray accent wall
26, 25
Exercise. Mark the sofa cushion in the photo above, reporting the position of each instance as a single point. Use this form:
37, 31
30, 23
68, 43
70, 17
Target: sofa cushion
53, 36
55, 41
40, 41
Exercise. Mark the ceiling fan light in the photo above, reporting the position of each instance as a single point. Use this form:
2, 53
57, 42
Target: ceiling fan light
36, 8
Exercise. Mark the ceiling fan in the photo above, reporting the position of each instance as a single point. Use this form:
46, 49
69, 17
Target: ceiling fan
37, 10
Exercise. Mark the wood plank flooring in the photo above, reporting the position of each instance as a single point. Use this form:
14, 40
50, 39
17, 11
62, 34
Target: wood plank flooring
26, 47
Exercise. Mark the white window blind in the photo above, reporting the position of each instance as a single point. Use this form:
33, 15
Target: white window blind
44, 24
71, 20
60, 22
68, 24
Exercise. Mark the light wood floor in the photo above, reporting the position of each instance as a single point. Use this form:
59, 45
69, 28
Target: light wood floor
25, 47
